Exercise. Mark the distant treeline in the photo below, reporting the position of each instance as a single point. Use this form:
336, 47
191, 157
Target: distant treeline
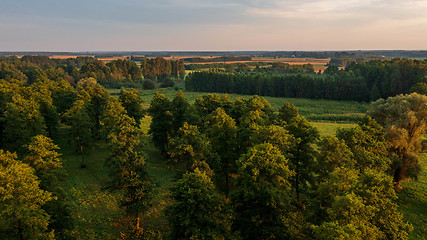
226, 66
360, 82
276, 67
161, 68
218, 59
303, 54
114, 74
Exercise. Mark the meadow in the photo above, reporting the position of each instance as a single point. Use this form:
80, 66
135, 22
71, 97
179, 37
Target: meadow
313, 110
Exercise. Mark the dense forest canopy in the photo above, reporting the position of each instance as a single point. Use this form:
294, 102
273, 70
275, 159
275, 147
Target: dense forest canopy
358, 82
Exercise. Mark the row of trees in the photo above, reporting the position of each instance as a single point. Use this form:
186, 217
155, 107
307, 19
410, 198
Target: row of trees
114, 74
161, 68
360, 82
247, 172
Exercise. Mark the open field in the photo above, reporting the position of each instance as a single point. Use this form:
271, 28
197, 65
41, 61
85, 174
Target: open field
413, 202
313, 110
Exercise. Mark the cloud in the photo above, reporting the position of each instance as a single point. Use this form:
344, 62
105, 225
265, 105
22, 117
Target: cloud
212, 24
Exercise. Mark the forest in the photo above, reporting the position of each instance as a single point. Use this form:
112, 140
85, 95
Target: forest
241, 169
367, 81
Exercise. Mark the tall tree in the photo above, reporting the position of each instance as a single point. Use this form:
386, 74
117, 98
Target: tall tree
21, 215
81, 125
190, 149
367, 143
198, 212
42, 155
404, 118
302, 154
95, 97
127, 165
132, 102
23, 120
179, 107
262, 202
161, 124
41, 92
222, 132
351, 200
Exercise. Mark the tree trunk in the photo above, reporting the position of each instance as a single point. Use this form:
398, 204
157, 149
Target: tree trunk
20, 230
82, 164
226, 185
297, 182
397, 178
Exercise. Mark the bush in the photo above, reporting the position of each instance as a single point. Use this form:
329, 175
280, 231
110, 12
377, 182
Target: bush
168, 82
148, 85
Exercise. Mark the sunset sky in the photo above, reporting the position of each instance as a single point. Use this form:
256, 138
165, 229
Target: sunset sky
150, 25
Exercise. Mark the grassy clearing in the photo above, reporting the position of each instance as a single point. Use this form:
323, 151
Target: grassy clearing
413, 202
314, 110
327, 129
96, 212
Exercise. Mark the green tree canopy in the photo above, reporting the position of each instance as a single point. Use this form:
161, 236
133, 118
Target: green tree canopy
198, 212
404, 118
21, 215
132, 102
222, 131
190, 149
23, 120
161, 124
262, 202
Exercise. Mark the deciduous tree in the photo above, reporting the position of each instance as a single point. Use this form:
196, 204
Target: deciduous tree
198, 212
404, 118
21, 215
262, 202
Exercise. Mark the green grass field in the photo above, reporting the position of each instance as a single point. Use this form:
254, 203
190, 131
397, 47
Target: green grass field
413, 202
313, 110
96, 210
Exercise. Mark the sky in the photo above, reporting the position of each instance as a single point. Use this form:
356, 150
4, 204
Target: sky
212, 25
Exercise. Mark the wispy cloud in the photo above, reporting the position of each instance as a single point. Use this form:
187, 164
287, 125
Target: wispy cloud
212, 24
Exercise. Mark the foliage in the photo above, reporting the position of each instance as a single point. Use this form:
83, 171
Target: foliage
198, 212
358, 82
21, 200
302, 153
42, 155
262, 202
191, 149
127, 164
132, 102
161, 68
95, 97
404, 118
222, 132
81, 126
161, 125
23, 120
